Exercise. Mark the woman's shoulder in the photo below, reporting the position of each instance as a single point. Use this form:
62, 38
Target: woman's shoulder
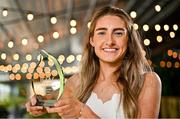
151, 86
151, 78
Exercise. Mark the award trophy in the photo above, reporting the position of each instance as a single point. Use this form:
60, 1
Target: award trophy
49, 85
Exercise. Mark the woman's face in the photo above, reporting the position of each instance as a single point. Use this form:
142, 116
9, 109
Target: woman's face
110, 39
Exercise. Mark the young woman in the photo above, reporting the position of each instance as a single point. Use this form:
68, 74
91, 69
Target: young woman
115, 80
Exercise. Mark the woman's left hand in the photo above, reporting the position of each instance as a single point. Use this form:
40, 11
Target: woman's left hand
67, 107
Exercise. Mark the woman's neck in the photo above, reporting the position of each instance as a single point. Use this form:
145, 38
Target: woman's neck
109, 71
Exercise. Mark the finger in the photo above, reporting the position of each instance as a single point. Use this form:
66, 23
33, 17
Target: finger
35, 108
62, 102
60, 110
33, 100
37, 113
27, 106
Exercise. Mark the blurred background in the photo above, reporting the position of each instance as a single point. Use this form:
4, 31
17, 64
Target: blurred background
58, 26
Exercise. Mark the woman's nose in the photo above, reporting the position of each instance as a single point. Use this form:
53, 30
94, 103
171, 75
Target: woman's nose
110, 40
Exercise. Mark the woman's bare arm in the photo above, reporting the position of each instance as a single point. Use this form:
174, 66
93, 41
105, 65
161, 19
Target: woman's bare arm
150, 96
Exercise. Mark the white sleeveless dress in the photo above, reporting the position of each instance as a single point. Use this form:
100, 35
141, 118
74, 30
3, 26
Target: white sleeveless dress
110, 109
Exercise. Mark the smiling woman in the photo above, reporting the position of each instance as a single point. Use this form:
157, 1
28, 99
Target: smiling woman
115, 80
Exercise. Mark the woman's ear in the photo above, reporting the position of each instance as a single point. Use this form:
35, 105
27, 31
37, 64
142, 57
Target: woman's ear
91, 42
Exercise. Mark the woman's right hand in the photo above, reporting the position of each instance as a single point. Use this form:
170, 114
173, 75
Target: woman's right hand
33, 109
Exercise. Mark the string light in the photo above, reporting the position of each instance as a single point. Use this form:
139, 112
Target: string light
28, 57
24, 41
175, 55
3, 56
135, 26
162, 64
73, 30
54, 73
78, 57
70, 59
30, 70
170, 52
166, 27
133, 14
42, 75
5, 12
39, 70
157, 8
42, 64
73, 23
14, 70
175, 27
30, 16
157, 27
10, 44
29, 76
11, 76
61, 59
16, 57
172, 34
40, 38
146, 42
9, 67
145, 27
169, 64
17, 66
35, 75
50, 62
18, 77
53, 20
47, 69
176, 65
55, 35
159, 39
33, 64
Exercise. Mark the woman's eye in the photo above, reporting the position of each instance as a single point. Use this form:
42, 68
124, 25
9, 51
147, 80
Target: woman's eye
101, 33
118, 33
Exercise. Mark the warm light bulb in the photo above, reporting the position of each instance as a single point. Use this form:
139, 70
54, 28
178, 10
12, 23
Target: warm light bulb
40, 38
5, 12
73, 30
24, 41
73, 23
55, 35
135, 26
133, 14
158, 8
159, 39
16, 56
10, 44
3, 56
157, 27
146, 42
53, 20
145, 27
30, 17
28, 57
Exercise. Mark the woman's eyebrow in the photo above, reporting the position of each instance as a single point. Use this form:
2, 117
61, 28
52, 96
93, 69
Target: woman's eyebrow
115, 29
101, 28
121, 29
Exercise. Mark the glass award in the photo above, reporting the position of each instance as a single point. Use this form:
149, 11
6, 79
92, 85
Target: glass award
48, 81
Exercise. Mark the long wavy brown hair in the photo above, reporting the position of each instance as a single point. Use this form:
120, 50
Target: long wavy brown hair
131, 71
